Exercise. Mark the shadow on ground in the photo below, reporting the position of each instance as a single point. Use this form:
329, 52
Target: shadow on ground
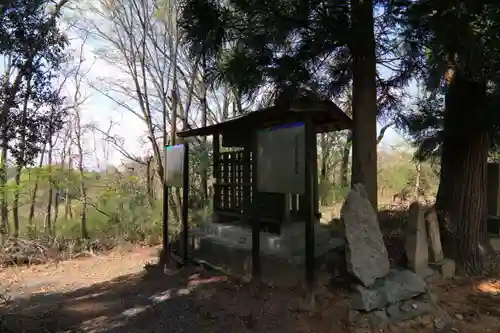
150, 302
192, 301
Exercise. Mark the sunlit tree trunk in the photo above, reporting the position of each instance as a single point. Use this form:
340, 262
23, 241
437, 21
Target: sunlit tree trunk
462, 197
20, 162
364, 99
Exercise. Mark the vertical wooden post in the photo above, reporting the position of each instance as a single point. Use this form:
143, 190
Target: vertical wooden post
255, 214
310, 164
294, 207
185, 199
216, 171
246, 183
166, 248
315, 184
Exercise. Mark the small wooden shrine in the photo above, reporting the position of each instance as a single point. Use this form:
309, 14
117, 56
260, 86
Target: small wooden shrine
265, 170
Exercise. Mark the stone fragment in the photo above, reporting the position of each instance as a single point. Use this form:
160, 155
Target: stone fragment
446, 268
435, 247
439, 324
396, 287
408, 310
416, 247
368, 299
366, 254
368, 321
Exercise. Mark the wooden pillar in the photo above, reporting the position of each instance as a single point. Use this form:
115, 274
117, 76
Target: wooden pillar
294, 206
246, 165
310, 165
216, 171
288, 213
255, 221
166, 248
314, 167
185, 199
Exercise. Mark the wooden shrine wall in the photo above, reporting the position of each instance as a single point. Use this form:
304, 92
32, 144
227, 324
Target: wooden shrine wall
230, 189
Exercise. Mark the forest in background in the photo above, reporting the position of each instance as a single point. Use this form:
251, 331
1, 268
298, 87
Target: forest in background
124, 204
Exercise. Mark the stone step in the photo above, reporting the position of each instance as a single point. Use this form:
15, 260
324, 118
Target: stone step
293, 237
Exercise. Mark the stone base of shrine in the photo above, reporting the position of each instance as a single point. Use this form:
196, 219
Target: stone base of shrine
282, 257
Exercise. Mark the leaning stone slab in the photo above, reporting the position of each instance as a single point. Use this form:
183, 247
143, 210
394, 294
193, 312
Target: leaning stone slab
396, 287
416, 246
366, 254
436, 249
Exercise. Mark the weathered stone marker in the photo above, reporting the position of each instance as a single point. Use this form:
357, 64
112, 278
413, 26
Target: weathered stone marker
436, 249
386, 297
366, 255
416, 246
437, 262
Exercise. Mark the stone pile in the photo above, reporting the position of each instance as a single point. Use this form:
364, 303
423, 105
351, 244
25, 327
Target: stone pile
383, 296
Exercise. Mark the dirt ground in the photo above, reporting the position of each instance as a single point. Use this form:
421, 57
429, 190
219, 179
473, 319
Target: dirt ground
113, 293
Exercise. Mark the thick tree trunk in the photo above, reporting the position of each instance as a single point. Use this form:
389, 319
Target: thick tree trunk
470, 210
364, 99
462, 196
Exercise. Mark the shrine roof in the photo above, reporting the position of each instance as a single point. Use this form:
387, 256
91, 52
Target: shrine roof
325, 115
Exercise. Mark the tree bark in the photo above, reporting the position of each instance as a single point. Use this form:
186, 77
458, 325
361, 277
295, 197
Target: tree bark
150, 182
344, 166
48, 216
364, 99
83, 186
4, 212
34, 193
15, 201
68, 213
464, 172
470, 212
20, 160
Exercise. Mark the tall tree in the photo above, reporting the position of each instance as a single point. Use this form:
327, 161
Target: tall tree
455, 43
268, 51
32, 44
364, 98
